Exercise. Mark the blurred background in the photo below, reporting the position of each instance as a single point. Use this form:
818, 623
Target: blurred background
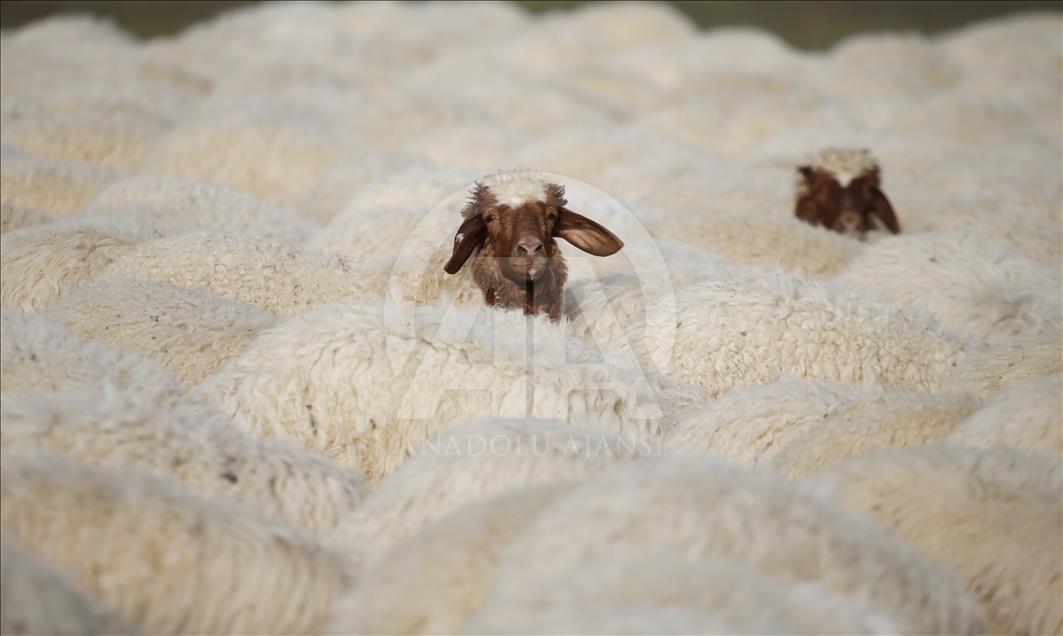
808, 25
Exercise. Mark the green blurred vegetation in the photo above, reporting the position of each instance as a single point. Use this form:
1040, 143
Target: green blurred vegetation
807, 24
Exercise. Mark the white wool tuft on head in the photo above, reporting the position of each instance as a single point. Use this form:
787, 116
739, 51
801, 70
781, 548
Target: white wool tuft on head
514, 187
845, 163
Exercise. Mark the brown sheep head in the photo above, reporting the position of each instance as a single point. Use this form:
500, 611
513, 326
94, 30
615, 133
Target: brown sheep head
841, 190
512, 220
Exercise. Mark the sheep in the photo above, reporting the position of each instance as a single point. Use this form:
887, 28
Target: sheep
762, 240
1026, 415
908, 71
95, 54
55, 188
84, 125
93, 383
191, 332
367, 382
13, 217
184, 440
742, 327
39, 355
168, 562
435, 581
473, 462
39, 263
974, 286
273, 157
731, 119
432, 29
840, 189
993, 516
39, 600
378, 219
475, 147
607, 592
215, 49
503, 101
345, 182
991, 53
584, 36
587, 152
270, 275
695, 511
510, 222
797, 427
199, 206
634, 620
988, 369
989, 214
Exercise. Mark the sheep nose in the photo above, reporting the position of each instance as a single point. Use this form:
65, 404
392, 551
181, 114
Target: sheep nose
530, 248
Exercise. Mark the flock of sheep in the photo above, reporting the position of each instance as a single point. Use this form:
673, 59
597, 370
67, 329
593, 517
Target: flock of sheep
240, 394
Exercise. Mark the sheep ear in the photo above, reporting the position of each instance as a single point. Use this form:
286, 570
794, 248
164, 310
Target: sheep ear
881, 208
470, 235
586, 234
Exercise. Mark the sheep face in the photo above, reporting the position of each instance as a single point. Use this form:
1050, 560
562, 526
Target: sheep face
512, 220
523, 238
848, 205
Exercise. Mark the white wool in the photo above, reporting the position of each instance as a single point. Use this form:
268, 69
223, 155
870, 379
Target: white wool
273, 157
730, 118
844, 163
692, 511
39, 600
763, 240
516, 187
262, 204
39, 355
874, 77
189, 331
184, 440
271, 275
434, 582
989, 216
679, 67
974, 286
198, 205
168, 562
1027, 414
477, 148
367, 384
633, 24
40, 262
382, 232
417, 187
94, 127
660, 584
633, 621
993, 516
55, 188
992, 51
583, 152
471, 463
735, 328
988, 369
347, 180
797, 427
510, 100
13, 217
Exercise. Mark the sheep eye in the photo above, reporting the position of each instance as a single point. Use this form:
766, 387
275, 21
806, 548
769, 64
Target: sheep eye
491, 217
